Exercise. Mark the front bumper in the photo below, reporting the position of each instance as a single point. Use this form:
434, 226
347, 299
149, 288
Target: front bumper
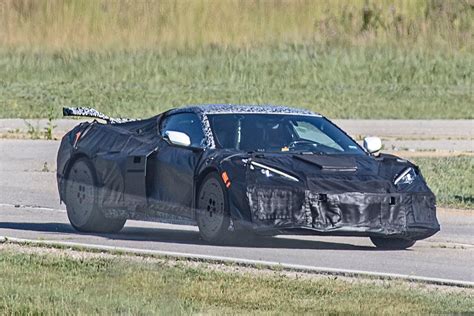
404, 215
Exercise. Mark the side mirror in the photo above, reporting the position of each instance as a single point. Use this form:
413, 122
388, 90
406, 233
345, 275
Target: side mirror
373, 145
178, 138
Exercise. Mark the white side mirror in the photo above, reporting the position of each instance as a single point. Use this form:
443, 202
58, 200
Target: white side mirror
373, 145
178, 138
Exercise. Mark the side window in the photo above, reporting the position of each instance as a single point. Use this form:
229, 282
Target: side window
188, 123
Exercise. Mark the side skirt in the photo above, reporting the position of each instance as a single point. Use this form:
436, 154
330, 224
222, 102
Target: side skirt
155, 211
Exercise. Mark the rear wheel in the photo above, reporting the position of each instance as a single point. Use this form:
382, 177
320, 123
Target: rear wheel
81, 201
392, 243
212, 213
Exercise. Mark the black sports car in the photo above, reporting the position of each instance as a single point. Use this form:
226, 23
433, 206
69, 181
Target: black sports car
231, 169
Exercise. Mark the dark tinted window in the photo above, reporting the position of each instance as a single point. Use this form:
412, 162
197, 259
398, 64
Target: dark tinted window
188, 123
280, 133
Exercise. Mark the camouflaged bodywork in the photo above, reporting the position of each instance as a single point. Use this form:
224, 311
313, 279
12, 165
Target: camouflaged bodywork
141, 176
364, 202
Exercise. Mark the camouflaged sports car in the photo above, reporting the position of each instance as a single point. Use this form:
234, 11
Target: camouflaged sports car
235, 170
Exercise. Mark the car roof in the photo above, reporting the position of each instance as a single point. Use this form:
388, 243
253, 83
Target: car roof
241, 108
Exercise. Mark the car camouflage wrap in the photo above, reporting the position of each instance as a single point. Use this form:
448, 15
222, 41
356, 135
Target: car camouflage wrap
355, 197
139, 174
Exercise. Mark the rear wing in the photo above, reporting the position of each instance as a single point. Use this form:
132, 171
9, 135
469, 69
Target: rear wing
89, 112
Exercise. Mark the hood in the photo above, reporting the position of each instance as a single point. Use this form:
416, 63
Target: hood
316, 165
339, 173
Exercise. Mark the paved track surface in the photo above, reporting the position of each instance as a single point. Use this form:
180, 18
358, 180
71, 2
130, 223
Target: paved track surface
27, 180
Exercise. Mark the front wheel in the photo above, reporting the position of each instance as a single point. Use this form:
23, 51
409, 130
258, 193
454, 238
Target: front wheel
212, 214
81, 201
392, 243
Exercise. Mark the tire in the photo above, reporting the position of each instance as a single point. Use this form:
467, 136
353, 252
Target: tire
81, 201
392, 243
212, 214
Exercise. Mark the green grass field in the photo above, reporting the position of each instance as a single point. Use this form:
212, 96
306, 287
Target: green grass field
451, 179
53, 284
345, 59
340, 83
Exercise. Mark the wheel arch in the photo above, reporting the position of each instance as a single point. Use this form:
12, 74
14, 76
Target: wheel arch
67, 169
200, 178
72, 160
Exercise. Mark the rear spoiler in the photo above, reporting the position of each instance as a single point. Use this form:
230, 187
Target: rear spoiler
89, 112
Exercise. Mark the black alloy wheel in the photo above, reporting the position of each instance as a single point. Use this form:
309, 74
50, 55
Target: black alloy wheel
81, 201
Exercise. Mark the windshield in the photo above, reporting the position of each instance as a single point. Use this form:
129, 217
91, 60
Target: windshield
280, 133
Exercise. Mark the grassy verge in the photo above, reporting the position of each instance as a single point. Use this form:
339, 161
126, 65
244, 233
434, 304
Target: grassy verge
60, 284
451, 179
340, 83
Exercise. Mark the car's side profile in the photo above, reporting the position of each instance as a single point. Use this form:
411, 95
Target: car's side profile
259, 169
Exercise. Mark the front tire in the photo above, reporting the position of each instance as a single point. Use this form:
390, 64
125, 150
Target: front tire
212, 214
81, 201
392, 243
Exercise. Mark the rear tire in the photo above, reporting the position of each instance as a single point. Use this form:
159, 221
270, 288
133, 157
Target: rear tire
392, 243
212, 214
81, 201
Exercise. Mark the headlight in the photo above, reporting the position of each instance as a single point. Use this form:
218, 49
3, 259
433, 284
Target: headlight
406, 177
269, 171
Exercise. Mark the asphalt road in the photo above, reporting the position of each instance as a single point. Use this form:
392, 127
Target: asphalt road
29, 208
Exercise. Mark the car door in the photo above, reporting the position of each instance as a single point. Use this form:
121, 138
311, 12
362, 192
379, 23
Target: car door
175, 165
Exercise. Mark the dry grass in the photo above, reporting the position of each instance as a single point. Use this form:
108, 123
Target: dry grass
189, 24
